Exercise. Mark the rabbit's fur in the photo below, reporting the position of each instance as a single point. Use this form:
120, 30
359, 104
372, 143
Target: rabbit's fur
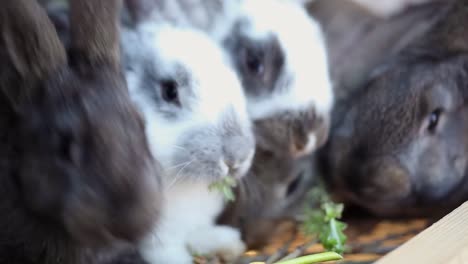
358, 42
284, 70
274, 190
398, 145
282, 64
198, 126
74, 155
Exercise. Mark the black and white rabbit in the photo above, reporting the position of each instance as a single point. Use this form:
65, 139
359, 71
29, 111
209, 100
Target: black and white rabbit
78, 180
284, 70
198, 124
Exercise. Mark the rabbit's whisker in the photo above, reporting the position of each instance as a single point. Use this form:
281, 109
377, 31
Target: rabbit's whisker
178, 174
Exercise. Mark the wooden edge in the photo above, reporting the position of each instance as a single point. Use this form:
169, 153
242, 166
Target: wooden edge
446, 242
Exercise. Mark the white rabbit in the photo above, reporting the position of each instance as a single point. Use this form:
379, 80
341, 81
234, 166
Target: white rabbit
199, 130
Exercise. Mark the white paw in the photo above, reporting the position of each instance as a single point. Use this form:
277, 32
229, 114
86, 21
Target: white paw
222, 241
155, 252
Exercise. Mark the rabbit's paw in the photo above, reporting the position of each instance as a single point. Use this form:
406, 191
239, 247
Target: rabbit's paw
222, 241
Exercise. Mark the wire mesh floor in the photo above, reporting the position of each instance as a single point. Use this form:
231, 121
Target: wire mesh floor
368, 240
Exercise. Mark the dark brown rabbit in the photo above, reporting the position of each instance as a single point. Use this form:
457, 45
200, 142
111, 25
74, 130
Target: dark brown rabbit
274, 191
77, 177
399, 144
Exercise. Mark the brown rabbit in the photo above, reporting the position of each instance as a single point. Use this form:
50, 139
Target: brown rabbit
274, 190
399, 145
78, 180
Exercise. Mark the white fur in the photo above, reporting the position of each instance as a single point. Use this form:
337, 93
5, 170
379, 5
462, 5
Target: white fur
189, 206
305, 54
215, 85
311, 145
188, 227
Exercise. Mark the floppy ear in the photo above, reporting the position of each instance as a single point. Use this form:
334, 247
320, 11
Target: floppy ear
31, 48
450, 35
94, 26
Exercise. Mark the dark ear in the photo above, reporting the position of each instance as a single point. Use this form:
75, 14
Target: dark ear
95, 32
31, 49
450, 35
141, 10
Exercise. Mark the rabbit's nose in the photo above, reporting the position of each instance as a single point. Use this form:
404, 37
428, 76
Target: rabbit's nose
310, 132
238, 166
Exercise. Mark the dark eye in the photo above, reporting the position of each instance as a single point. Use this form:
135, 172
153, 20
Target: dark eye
254, 63
434, 118
294, 184
169, 91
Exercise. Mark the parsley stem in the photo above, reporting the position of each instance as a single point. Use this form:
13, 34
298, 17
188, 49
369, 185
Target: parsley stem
315, 258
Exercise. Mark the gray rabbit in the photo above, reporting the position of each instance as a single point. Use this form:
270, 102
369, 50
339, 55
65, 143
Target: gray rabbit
78, 179
398, 144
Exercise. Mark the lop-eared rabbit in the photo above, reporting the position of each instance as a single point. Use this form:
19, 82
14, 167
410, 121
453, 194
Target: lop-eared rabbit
78, 179
199, 130
398, 146
282, 64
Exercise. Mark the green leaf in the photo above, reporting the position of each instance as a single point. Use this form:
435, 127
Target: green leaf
224, 186
322, 221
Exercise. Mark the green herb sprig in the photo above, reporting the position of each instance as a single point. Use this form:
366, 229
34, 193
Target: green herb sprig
324, 222
314, 258
225, 186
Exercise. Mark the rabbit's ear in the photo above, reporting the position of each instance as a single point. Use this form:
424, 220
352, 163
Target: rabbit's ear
449, 35
141, 10
31, 48
94, 26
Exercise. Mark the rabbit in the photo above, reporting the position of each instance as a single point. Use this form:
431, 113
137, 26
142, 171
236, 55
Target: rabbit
283, 67
397, 146
74, 154
282, 64
198, 128
275, 190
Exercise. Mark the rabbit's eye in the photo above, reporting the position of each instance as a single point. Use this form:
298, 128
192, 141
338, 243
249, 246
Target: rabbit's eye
253, 62
169, 91
255, 65
434, 118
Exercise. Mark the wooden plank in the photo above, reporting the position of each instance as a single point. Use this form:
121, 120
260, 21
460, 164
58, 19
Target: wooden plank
446, 241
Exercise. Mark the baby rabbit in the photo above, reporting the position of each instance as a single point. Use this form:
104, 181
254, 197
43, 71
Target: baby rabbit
398, 146
282, 64
199, 130
78, 179
274, 190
